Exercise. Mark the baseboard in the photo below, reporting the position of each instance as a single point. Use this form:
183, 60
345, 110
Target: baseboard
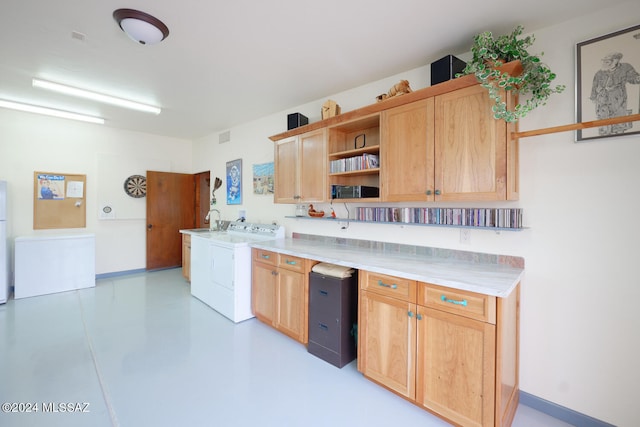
119, 273
560, 412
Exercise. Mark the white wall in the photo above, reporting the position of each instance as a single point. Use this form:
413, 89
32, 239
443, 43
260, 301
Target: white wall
29, 143
579, 318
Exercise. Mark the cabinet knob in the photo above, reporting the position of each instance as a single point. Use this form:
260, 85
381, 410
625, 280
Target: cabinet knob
437, 192
428, 192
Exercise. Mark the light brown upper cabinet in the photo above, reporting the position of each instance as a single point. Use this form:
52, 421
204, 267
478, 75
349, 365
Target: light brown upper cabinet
447, 147
407, 152
300, 168
474, 157
440, 143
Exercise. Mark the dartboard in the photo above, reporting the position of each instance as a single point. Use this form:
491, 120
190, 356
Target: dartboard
136, 186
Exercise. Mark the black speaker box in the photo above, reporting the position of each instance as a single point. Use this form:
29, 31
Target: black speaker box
445, 69
296, 120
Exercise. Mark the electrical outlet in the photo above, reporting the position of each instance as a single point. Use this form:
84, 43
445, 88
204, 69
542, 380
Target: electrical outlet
465, 236
242, 213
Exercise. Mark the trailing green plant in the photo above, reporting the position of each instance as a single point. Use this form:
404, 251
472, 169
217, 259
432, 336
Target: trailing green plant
534, 81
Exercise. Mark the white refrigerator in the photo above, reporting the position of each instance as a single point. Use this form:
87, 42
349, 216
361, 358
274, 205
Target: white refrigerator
4, 252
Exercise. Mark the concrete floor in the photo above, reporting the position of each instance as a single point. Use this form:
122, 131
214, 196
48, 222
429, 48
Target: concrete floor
139, 350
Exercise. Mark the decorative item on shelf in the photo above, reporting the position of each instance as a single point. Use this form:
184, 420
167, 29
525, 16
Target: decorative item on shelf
535, 80
314, 213
330, 109
398, 89
363, 137
301, 210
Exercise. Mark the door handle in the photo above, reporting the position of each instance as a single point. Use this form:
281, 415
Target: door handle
149, 226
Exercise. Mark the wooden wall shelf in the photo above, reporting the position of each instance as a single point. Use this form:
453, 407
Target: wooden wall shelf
514, 67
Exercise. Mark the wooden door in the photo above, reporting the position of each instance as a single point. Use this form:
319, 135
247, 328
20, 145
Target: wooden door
387, 342
202, 198
313, 166
470, 147
285, 174
170, 208
263, 292
407, 152
456, 367
290, 305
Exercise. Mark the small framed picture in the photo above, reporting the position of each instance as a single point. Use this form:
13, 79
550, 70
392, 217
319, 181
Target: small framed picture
608, 83
234, 182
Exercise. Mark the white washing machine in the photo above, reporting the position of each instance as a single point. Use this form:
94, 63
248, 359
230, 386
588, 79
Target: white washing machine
221, 267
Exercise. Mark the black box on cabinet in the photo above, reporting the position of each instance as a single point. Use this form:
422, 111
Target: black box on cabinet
295, 120
333, 315
445, 69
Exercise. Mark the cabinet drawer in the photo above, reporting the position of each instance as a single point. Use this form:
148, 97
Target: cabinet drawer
396, 287
265, 257
290, 262
465, 303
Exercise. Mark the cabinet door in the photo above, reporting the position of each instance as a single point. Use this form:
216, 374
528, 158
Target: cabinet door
387, 342
186, 256
407, 152
470, 147
263, 292
312, 163
456, 367
291, 304
285, 173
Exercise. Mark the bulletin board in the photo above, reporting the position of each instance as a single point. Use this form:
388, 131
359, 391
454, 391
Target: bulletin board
59, 200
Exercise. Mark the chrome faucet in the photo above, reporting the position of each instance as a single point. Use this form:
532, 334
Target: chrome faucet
206, 218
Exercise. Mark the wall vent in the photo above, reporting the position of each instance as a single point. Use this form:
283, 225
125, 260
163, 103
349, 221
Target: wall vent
224, 137
77, 35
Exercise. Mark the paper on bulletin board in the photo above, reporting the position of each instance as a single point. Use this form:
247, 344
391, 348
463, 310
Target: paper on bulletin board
75, 189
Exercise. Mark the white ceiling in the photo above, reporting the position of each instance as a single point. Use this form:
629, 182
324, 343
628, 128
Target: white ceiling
228, 62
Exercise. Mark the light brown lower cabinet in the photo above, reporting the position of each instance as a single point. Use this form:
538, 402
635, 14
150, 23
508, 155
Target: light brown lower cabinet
452, 352
186, 256
280, 292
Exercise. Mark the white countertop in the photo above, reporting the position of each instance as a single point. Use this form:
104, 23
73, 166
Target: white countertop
485, 278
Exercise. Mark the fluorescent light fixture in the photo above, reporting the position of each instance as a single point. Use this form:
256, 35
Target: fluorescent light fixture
107, 99
50, 112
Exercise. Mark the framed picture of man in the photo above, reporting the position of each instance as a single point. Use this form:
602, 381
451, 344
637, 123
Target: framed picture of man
608, 83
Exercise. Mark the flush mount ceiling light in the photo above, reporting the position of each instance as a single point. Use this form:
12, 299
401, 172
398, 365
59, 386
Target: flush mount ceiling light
107, 99
50, 112
141, 27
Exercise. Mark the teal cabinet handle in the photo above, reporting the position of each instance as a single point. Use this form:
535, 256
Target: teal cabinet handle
290, 262
452, 301
381, 283
265, 256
